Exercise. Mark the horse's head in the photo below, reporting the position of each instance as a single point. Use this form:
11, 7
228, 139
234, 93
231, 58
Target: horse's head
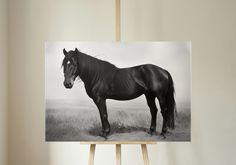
70, 67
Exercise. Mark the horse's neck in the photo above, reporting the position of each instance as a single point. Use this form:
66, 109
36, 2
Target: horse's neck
91, 70
86, 70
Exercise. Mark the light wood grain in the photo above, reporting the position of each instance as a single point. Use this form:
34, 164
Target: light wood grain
145, 154
118, 154
118, 21
92, 154
118, 142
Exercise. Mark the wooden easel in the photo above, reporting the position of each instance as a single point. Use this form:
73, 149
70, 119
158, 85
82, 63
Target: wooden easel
118, 150
118, 144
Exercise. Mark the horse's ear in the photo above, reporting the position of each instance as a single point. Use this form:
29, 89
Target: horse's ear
64, 51
76, 50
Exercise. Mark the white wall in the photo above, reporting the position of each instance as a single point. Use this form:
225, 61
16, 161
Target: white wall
3, 82
210, 25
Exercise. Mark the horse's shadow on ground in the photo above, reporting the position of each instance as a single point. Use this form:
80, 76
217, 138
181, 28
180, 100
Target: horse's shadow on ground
118, 128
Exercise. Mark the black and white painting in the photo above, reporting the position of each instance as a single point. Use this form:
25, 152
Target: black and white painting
115, 91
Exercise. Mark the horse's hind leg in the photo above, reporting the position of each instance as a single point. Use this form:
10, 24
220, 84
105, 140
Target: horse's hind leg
152, 105
163, 106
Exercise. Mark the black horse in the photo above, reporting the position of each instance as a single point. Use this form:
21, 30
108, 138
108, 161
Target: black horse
104, 80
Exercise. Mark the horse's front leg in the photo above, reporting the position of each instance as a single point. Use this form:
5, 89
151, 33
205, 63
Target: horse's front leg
101, 104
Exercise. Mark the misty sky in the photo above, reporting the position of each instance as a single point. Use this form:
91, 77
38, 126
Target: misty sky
172, 56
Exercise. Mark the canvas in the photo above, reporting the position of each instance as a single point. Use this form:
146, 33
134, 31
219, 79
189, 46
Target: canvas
118, 91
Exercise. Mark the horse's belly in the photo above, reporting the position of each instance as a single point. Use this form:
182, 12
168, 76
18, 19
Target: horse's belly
125, 96
126, 91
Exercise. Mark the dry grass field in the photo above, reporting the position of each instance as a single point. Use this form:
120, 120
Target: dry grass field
82, 123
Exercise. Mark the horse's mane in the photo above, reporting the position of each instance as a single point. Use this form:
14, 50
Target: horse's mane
92, 69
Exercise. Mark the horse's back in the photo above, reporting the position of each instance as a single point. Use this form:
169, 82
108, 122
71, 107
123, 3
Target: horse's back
132, 82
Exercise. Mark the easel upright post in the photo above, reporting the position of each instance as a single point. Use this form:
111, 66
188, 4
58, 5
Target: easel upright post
118, 38
118, 20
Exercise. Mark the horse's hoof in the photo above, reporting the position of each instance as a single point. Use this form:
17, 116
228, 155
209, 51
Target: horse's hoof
163, 135
168, 132
150, 132
104, 135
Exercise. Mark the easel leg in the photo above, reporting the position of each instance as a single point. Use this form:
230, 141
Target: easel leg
118, 154
92, 153
145, 154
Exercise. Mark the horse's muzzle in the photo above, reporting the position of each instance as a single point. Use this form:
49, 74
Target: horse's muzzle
68, 85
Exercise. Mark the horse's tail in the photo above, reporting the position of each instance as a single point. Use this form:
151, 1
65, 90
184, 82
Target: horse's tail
171, 106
